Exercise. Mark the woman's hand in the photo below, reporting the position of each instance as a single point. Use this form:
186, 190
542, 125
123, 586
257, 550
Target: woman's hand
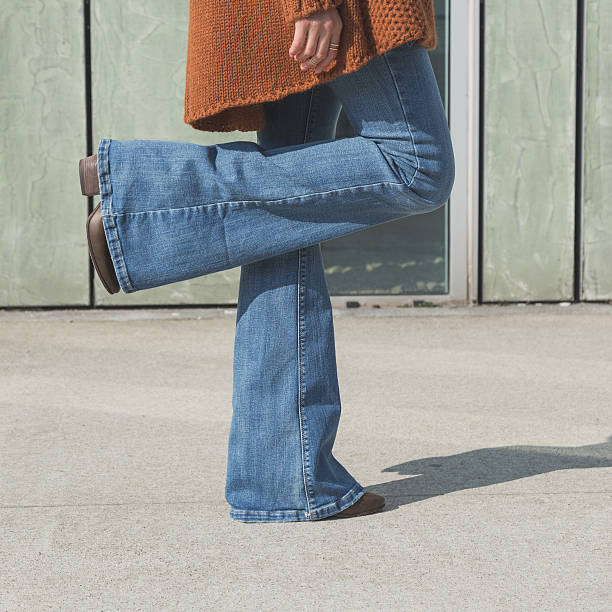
312, 39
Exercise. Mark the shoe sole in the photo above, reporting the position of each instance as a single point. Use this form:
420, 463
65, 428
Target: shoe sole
91, 253
81, 177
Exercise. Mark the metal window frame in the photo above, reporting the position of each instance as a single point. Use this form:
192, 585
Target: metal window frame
463, 209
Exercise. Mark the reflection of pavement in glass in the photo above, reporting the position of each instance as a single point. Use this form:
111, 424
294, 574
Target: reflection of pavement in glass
396, 258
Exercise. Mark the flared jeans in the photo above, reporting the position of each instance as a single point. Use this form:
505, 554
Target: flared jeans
176, 210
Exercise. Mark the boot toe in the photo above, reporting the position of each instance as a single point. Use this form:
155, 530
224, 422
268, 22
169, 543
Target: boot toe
368, 503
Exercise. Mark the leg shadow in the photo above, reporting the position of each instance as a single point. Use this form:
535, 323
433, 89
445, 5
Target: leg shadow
435, 476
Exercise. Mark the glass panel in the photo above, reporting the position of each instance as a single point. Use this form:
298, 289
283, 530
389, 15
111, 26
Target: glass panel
529, 117
596, 211
138, 72
43, 248
407, 256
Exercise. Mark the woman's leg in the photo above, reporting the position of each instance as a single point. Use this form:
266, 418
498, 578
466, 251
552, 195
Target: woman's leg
176, 210
286, 402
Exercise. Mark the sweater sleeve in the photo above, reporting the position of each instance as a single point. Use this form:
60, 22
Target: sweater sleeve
298, 9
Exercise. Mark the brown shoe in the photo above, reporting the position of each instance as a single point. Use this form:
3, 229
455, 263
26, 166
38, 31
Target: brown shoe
98, 251
88, 173
368, 503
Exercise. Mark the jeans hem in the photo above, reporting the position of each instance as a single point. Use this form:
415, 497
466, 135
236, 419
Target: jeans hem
284, 516
108, 218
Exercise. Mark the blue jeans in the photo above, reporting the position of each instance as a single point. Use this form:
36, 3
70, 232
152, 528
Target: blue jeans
176, 210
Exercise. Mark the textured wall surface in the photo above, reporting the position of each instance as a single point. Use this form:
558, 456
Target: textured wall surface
138, 72
138, 80
43, 250
597, 208
529, 149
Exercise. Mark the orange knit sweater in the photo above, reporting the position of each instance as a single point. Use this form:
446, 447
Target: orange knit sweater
238, 52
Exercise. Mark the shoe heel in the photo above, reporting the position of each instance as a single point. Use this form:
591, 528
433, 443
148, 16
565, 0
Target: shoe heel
88, 175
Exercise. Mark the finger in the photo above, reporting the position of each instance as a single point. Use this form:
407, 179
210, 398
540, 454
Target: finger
330, 54
312, 43
301, 54
299, 38
322, 49
324, 65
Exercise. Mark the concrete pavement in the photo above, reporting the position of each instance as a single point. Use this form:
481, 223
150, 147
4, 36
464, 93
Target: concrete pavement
488, 429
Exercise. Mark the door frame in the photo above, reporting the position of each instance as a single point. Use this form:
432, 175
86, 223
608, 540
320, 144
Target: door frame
463, 110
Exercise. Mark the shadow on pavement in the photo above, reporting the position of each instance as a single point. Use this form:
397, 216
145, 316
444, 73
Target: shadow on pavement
435, 476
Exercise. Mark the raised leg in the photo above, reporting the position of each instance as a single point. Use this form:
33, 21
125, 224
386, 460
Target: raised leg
176, 210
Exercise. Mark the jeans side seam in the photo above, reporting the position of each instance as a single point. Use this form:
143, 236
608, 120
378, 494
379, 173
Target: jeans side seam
300, 338
300, 373
401, 102
280, 200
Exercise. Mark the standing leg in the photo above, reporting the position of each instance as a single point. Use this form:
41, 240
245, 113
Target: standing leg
286, 402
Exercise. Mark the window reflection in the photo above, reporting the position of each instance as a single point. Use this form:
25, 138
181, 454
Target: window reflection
407, 256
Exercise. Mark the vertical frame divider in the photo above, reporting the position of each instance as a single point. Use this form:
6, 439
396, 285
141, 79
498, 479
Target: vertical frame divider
464, 111
579, 152
88, 115
481, 147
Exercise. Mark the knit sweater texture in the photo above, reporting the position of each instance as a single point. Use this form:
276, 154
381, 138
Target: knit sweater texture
238, 52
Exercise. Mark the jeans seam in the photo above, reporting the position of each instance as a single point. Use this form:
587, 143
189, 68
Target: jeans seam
109, 218
281, 200
300, 338
401, 102
309, 115
300, 352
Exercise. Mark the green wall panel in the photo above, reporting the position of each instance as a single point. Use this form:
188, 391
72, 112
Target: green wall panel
597, 195
529, 149
139, 49
43, 248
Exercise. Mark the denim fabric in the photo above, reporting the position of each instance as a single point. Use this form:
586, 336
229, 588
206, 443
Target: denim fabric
176, 210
